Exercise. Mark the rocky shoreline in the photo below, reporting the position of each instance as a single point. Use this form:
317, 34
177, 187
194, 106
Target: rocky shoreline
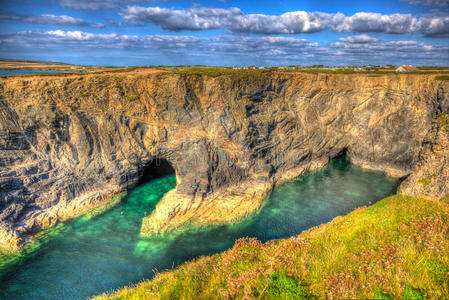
68, 140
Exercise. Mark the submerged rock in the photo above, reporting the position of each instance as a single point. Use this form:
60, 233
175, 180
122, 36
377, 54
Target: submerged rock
67, 142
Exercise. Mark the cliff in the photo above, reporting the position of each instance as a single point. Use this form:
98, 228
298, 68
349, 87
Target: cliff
68, 143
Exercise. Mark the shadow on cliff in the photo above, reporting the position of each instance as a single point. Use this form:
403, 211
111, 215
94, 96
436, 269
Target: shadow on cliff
156, 168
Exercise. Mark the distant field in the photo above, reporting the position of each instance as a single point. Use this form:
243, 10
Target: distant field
421, 69
68, 69
19, 64
21, 68
82, 72
218, 71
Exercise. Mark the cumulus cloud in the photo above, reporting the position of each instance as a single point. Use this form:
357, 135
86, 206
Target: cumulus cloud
291, 22
100, 4
196, 18
233, 19
201, 18
51, 20
434, 25
375, 22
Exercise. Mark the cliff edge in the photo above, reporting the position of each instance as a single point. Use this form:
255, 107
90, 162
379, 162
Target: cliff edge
67, 143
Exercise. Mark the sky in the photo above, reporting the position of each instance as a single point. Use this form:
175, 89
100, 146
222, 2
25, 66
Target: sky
226, 32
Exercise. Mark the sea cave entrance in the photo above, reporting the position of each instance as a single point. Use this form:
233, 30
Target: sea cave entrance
158, 167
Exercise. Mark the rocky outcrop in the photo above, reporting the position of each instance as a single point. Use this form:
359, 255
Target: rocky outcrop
68, 142
431, 176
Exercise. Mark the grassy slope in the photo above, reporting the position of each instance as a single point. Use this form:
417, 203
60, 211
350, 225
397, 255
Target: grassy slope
398, 247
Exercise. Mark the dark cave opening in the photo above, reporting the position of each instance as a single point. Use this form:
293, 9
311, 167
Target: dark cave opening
158, 167
343, 153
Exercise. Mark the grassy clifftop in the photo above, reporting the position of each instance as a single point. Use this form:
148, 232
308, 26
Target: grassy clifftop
396, 248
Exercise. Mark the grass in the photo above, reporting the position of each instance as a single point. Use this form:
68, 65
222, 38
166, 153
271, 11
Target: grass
443, 120
432, 68
379, 72
219, 71
131, 98
216, 71
444, 77
104, 71
397, 248
426, 181
87, 95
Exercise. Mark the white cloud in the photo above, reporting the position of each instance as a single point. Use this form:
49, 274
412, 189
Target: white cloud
291, 22
434, 25
354, 46
233, 19
221, 44
202, 18
359, 39
264, 46
195, 18
50, 19
274, 50
80, 39
375, 22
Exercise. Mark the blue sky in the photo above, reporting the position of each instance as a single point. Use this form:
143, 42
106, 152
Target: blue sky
226, 32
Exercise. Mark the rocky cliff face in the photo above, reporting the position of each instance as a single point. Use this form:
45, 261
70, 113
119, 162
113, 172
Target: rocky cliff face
66, 143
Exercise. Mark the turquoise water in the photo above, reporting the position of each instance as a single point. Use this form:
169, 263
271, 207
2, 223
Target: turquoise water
90, 256
8, 72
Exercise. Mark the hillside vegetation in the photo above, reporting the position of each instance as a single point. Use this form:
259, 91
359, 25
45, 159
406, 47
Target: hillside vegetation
397, 248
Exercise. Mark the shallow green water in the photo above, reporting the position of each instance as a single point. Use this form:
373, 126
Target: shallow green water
89, 256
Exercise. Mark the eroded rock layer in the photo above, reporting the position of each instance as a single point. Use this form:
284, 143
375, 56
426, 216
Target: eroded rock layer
67, 143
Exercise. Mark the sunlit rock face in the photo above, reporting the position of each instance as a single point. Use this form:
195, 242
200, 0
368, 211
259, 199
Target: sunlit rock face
67, 143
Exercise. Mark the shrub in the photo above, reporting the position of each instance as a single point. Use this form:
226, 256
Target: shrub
131, 97
285, 287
